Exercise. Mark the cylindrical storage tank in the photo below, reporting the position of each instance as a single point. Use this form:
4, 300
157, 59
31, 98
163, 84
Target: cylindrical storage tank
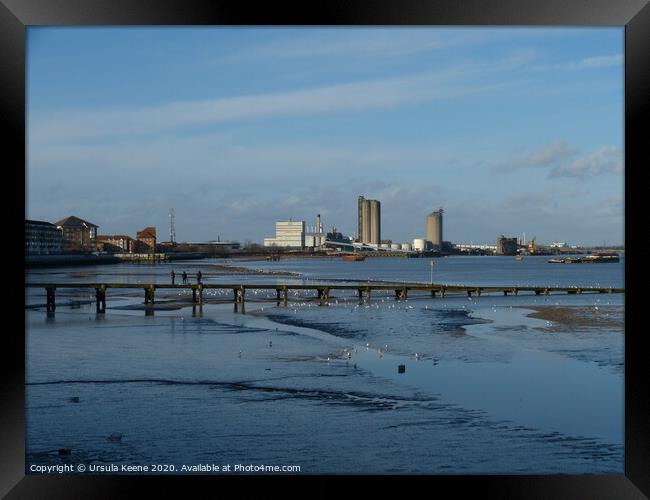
384, 245
394, 246
419, 244
407, 246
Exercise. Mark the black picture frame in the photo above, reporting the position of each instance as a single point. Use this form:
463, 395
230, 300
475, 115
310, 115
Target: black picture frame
634, 15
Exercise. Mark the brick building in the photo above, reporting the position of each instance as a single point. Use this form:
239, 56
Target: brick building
146, 240
116, 243
78, 235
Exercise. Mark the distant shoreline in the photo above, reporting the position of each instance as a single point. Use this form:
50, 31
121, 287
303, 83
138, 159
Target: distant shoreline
32, 261
89, 259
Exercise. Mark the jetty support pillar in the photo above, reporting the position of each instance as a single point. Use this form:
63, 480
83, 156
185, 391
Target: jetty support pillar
324, 294
149, 294
50, 303
100, 293
240, 295
197, 294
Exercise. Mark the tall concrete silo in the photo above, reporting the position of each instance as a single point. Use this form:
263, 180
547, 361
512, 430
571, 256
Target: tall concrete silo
434, 228
375, 221
369, 221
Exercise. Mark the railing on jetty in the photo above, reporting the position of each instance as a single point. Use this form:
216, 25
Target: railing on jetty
322, 291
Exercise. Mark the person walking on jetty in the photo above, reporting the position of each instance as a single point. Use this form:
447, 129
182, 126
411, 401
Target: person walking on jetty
173, 275
198, 277
184, 278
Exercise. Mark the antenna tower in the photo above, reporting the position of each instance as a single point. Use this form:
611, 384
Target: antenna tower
172, 228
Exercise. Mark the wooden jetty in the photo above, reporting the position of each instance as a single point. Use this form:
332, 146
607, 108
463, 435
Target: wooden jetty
363, 291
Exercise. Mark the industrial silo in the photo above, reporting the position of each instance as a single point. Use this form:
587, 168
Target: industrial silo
375, 221
434, 228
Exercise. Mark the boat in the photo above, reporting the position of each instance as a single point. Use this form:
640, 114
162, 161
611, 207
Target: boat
353, 258
587, 259
601, 257
519, 257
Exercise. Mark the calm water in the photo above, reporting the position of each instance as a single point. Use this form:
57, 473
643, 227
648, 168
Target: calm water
490, 390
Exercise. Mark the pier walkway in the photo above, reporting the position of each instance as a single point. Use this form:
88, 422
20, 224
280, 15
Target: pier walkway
322, 291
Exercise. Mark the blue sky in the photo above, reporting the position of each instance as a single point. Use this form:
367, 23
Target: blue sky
511, 130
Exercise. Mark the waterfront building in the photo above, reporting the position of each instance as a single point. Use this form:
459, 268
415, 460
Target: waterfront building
78, 235
42, 238
434, 228
369, 215
290, 234
115, 243
506, 246
146, 240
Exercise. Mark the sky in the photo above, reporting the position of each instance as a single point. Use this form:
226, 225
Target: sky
510, 130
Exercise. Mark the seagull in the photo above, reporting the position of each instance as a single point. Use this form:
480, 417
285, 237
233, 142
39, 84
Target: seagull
240, 354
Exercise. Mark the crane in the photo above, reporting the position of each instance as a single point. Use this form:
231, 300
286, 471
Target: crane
532, 247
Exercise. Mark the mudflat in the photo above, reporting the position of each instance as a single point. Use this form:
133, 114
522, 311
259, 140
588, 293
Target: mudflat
581, 316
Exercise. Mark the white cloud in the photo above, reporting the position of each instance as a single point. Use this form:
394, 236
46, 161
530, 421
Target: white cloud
354, 43
561, 158
544, 156
605, 160
601, 61
73, 126
594, 62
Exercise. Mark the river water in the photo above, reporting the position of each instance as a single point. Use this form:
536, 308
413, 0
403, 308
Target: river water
485, 389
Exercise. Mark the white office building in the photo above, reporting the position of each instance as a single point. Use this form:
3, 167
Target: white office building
288, 234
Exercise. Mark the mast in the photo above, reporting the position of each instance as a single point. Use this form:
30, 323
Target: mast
172, 228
